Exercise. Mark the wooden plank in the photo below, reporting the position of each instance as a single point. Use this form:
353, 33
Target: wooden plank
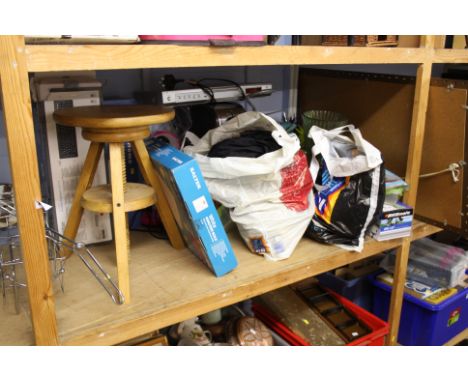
25, 175
444, 143
396, 301
450, 56
427, 41
439, 42
45, 58
137, 196
418, 123
169, 286
121, 237
423, 81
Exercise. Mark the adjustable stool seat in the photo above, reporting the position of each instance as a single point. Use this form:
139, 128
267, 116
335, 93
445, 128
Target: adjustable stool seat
115, 125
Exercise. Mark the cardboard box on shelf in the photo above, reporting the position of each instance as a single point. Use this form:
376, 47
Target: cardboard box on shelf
459, 42
193, 208
413, 41
409, 41
403, 41
396, 221
311, 40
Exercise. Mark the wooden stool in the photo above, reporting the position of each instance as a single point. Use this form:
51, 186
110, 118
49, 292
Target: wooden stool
115, 125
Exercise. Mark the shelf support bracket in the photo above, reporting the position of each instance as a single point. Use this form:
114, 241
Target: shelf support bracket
19, 129
421, 97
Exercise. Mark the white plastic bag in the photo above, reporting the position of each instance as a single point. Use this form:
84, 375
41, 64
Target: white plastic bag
271, 229
270, 196
343, 155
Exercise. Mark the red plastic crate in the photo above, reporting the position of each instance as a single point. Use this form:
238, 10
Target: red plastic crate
279, 328
375, 338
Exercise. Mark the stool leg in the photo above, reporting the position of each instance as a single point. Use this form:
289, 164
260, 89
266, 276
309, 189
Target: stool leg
86, 179
120, 218
152, 178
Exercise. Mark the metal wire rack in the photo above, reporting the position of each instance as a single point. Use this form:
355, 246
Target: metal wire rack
10, 255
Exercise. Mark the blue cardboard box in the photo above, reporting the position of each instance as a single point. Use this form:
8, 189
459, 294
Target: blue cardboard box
193, 207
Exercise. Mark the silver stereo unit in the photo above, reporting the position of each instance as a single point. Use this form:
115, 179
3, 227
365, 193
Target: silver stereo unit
220, 94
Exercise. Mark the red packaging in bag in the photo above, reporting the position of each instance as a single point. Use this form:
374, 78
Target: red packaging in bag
297, 183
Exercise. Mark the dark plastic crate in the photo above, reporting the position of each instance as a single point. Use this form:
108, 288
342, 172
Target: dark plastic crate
358, 290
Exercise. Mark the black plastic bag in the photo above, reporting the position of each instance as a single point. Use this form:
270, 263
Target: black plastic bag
345, 206
349, 212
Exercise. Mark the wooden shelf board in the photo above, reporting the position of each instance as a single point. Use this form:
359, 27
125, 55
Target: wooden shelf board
50, 58
15, 329
169, 286
450, 56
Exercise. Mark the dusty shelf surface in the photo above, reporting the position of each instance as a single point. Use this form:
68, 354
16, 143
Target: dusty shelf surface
169, 286
51, 58
45, 58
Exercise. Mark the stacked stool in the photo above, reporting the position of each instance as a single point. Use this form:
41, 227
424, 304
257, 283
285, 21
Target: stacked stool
115, 125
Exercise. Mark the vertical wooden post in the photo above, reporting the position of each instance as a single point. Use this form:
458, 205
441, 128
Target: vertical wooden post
121, 238
25, 173
418, 123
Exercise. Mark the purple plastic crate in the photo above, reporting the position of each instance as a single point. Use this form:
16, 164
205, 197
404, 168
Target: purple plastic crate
423, 323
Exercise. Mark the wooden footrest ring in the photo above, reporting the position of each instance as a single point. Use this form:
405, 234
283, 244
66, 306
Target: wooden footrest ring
99, 198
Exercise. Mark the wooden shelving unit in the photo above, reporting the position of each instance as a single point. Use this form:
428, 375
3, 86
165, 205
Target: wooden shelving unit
170, 285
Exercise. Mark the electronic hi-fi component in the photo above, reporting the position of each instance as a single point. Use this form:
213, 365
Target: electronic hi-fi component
215, 93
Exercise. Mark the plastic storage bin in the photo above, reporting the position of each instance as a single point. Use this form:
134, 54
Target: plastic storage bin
357, 289
423, 323
432, 263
